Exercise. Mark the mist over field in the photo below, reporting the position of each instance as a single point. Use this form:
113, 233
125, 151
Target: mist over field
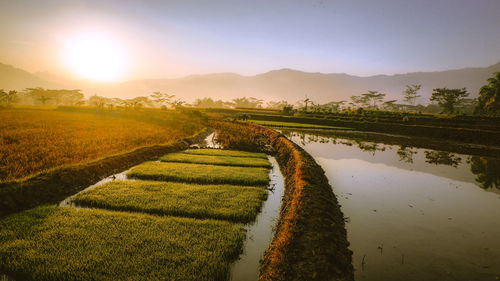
275, 85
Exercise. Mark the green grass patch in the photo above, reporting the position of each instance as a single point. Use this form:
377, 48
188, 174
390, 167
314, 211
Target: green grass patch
295, 125
216, 160
223, 152
200, 173
64, 243
228, 202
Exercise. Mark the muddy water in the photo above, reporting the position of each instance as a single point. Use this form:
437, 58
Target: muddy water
414, 214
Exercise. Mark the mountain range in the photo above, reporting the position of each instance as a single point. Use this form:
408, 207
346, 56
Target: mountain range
283, 84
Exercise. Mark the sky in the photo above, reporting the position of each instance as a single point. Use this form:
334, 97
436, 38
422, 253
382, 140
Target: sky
169, 39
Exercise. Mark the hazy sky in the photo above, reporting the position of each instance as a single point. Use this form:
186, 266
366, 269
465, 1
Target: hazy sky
161, 39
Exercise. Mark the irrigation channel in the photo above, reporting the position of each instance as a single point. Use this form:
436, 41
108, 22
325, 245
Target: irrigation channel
412, 213
259, 231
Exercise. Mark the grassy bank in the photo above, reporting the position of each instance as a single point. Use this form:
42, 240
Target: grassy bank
226, 202
295, 125
216, 160
62, 243
57, 184
310, 242
200, 173
220, 152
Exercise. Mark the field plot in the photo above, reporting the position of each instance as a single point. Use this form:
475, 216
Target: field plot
64, 243
180, 226
36, 140
200, 173
295, 125
223, 152
227, 202
216, 160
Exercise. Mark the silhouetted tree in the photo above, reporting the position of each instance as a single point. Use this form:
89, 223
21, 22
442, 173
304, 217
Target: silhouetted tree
177, 103
8, 98
448, 99
489, 97
161, 99
389, 105
306, 103
360, 101
410, 94
208, 102
373, 98
247, 102
277, 104
98, 101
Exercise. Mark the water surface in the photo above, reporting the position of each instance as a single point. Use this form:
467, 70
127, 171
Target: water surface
413, 214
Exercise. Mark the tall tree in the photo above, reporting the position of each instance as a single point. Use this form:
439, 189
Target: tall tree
8, 98
448, 99
389, 105
247, 102
360, 101
306, 103
161, 99
411, 93
373, 98
489, 97
208, 102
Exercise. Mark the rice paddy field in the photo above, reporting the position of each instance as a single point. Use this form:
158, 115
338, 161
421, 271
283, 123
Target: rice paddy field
33, 140
226, 202
190, 229
216, 160
65, 243
200, 173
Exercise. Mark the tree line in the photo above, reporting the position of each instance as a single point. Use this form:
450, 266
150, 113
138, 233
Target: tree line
442, 100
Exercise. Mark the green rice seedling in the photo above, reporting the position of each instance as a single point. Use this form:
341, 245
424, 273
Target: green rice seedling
228, 202
295, 125
223, 152
216, 160
65, 243
200, 173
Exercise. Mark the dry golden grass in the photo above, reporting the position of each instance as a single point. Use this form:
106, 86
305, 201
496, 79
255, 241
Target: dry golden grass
33, 140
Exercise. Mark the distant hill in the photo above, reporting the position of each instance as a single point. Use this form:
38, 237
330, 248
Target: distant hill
287, 84
12, 78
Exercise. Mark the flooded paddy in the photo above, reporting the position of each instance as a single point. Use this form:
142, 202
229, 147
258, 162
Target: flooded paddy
411, 213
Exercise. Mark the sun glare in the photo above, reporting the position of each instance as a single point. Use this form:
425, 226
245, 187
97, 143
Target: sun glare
96, 57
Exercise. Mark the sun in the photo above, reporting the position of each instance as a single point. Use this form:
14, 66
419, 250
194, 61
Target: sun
95, 57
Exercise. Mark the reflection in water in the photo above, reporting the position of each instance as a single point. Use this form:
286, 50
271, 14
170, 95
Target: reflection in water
486, 169
442, 157
406, 154
413, 214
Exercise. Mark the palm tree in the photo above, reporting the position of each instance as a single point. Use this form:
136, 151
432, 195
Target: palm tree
489, 97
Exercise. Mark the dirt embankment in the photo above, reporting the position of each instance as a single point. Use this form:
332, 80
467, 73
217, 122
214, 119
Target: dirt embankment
310, 242
53, 186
